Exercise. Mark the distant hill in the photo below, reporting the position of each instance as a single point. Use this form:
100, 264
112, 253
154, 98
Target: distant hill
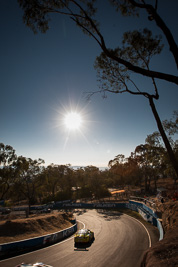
78, 167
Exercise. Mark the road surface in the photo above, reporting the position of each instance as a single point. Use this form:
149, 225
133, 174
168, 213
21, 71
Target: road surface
120, 240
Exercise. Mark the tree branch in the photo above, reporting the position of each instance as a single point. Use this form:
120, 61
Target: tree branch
160, 23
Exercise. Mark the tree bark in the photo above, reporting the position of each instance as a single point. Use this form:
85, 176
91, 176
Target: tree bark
164, 137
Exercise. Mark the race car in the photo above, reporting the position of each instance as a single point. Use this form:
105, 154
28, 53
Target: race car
83, 236
37, 264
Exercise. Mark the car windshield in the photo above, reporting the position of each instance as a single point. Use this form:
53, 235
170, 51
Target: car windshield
83, 231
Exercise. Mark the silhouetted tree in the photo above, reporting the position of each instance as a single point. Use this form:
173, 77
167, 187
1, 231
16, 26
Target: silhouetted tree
7, 158
113, 64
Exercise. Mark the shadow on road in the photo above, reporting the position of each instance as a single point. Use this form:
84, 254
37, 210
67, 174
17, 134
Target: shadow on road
81, 249
110, 214
79, 211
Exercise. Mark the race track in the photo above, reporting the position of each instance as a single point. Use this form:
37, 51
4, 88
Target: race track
120, 240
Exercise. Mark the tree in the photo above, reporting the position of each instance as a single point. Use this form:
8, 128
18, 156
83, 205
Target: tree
7, 157
114, 78
82, 12
124, 171
113, 64
154, 140
150, 160
56, 182
92, 176
142, 154
7, 154
26, 174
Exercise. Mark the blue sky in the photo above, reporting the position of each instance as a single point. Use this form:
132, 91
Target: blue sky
45, 76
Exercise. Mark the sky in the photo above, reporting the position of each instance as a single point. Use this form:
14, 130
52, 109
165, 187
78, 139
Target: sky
44, 77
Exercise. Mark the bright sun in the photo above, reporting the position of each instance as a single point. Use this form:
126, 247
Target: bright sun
73, 121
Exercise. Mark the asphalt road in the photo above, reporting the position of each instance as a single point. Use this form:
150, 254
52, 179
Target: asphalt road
120, 240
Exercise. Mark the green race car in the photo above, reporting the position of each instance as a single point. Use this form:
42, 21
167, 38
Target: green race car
83, 236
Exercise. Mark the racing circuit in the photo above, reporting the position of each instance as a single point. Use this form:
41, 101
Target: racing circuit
120, 240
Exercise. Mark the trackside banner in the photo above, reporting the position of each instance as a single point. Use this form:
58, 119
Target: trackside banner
89, 205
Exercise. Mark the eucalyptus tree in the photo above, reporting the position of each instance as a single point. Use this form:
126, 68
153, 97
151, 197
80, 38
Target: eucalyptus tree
142, 154
56, 181
150, 160
160, 156
117, 170
132, 172
81, 187
7, 155
92, 176
125, 171
26, 183
7, 158
115, 66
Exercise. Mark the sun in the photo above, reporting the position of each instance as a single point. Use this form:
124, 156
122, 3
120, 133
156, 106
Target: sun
73, 121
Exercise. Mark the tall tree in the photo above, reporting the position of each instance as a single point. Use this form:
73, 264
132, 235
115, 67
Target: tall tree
26, 177
7, 157
7, 154
155, 141
135, 55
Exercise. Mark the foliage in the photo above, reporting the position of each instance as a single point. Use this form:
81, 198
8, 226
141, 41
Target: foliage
26, 177
7, 157
37, 16
7, 154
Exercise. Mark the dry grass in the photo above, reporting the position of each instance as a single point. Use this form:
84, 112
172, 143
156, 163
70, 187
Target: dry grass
20, 229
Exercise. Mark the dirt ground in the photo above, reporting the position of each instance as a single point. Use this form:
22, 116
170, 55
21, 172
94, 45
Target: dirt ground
15, 229
165, 252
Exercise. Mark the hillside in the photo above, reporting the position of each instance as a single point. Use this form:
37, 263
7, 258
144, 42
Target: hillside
18, 229
165, 252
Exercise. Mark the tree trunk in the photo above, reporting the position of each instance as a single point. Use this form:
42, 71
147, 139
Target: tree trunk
146, 185
164, 137
155, 182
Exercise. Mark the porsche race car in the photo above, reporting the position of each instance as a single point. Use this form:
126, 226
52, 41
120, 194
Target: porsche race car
83, 236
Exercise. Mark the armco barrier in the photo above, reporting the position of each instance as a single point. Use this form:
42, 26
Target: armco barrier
35, 243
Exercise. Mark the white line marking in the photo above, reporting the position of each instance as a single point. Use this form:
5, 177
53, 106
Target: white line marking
143, 227
82, 223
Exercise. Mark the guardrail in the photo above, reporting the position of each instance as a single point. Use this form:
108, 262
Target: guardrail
145, 200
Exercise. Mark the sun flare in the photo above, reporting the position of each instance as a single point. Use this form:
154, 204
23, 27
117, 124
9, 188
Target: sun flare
73, 121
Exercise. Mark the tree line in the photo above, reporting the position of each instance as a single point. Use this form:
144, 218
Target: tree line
25, 179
